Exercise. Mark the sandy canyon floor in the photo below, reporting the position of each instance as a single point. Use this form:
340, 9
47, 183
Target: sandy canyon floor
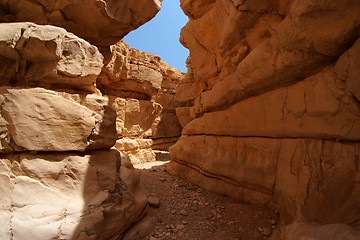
181, 210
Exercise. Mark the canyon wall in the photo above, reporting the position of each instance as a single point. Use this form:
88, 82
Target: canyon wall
270, 108
60, 177
144, 91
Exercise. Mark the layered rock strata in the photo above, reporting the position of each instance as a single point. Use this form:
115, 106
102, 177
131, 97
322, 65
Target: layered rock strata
270, 108
59, 179
144, 92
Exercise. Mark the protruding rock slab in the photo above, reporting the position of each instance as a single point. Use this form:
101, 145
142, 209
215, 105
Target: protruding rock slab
37, 119
68, 196
47, 56
100, 22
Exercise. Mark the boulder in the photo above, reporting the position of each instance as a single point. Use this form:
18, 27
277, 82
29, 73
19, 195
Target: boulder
37, 119
47, 56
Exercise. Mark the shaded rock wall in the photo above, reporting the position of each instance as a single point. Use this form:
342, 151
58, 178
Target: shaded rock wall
270, 106
144, 92
101, 23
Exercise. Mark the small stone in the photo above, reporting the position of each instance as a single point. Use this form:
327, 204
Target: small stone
184, 222
180, 227
218, 216
173, 212
230, 223
266, 231
168, 234
153, 238
273, 226
273, 221
154, 201
184, 213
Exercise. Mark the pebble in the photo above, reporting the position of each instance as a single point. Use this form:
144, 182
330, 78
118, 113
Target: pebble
154, 201
273, 221
153, 238
266, 231
218, 216
184, 222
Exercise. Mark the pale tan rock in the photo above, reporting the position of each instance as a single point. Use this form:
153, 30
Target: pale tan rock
137, 118
100, 22
37, 119
47, 56
68, 196
138, 150
131, 73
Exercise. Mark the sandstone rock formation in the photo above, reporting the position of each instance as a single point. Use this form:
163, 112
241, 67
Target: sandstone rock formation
47, 56
143, 88
59, 179
270, 107
102, 23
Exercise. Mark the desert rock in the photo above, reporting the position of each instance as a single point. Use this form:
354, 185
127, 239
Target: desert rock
270, 107
102, 23
37, 119
47, 56
68, 196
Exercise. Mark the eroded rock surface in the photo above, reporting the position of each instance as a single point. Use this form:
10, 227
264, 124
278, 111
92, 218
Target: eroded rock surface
100, 22
270, 107
47, 56
144, 91
59, 179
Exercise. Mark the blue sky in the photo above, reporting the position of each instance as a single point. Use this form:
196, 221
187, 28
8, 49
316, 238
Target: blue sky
160, 35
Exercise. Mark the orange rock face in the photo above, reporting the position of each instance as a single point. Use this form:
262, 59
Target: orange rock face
271, 105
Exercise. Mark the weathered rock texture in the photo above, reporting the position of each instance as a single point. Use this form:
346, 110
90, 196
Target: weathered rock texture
47, 56
270, 107
144, 92
100, 22
59, 179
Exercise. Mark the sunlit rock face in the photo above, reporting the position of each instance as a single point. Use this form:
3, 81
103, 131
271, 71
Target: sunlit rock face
144, 92
270, 107
101, 23
47, 56
59, 177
